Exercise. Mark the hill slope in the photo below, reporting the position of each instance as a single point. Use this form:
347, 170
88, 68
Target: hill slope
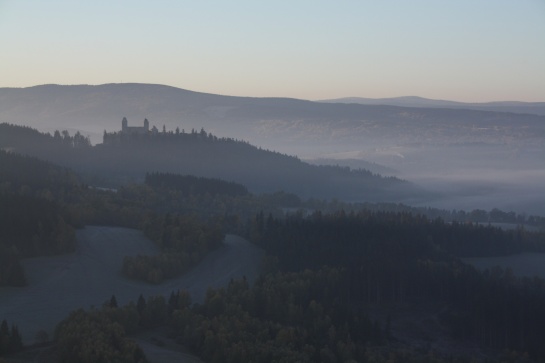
128, 158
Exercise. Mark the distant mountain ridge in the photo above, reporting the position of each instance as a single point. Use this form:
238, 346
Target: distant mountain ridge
87, 107
536, 108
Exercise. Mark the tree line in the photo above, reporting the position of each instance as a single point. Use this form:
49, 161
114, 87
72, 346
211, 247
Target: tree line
183, 240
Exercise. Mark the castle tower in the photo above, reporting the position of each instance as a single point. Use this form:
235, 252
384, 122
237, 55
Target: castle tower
146, 125
124, 124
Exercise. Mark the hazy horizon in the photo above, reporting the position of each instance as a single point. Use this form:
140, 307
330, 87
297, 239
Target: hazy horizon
408, 96
465, 51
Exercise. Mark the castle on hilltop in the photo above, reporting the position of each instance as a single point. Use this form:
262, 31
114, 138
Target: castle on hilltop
126, 129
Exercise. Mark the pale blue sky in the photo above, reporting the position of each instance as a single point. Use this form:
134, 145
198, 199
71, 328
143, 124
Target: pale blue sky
464, 50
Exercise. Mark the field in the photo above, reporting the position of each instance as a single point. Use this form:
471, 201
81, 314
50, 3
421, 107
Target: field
91, 275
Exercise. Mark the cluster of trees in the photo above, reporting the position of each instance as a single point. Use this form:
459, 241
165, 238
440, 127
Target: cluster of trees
101, 335
10, 339
183, 240
284, 317
76, 141
97, 336
61, 147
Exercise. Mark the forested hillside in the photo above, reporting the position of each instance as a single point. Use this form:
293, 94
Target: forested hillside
122, 158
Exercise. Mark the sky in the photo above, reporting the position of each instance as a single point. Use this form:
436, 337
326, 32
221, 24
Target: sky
464, 50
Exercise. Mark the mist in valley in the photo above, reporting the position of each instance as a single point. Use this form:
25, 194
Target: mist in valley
463, 177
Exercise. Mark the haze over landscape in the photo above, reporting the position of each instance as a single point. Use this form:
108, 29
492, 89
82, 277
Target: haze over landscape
286, 181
